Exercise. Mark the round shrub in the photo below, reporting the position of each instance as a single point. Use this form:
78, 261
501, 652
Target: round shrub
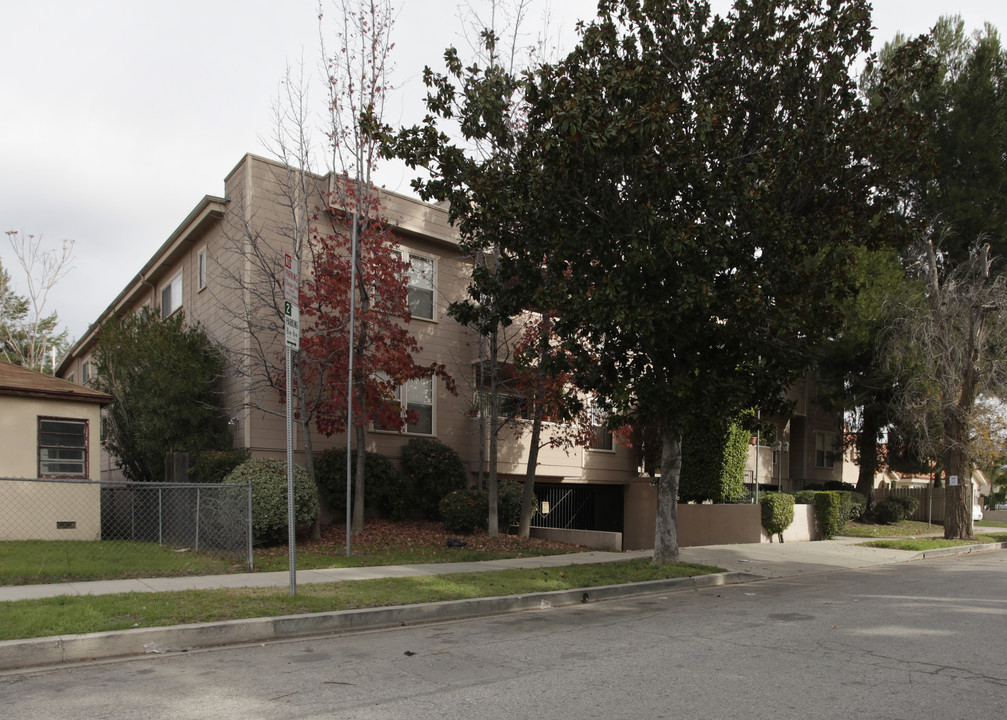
269, 497
854, 505
212, 466
509, 503
386, 492
895, 508
777, 512
464, 510
433, 469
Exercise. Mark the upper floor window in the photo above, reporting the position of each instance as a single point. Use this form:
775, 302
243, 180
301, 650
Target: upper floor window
171, 296
825, 450
415, 397
62, 447
86, 372
201, 270
601, 436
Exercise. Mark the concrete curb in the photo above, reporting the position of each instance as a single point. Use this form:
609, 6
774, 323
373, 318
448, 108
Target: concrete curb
35, 652
959, 550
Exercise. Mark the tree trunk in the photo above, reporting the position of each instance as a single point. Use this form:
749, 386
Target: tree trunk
493, 521
867, 448
309, 457
357, 520
666, 529
957, 498
528, 491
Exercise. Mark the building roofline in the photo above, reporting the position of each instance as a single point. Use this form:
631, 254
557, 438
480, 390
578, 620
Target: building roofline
208, 207
18, 381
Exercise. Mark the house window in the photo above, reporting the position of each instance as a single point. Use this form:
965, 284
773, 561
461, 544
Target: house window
201, 270
825, 450
62, 447
85, 372
601, 436
420, 284
171, 296
416, 397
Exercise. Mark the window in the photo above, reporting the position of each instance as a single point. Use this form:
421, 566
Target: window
415, 397
601, 436
62, 447
825, 450
420, 278
201, 270
171, 296
85, 372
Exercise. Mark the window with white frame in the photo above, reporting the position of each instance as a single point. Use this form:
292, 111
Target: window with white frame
825, 450
62, 447
420, 276
601, 436
415, 397
171, 296
201, 270
86, 372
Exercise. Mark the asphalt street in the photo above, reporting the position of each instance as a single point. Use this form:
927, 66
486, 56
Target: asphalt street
911, 640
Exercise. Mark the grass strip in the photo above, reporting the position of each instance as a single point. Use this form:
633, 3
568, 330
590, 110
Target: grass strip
36, 562
67, 615
922, 544
901, 529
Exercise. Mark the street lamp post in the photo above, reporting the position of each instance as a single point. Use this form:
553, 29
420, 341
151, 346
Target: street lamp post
780, 447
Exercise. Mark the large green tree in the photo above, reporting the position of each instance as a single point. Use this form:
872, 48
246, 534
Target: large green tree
702, 182
165, 377
852, 375
963, 101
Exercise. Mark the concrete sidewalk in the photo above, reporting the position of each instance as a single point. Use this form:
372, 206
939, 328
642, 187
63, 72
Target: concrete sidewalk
743, 563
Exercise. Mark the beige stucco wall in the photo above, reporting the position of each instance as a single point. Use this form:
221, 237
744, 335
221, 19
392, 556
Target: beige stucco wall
30, 511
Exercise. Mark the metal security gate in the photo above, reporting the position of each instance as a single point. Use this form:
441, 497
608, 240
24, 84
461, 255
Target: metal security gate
579, 507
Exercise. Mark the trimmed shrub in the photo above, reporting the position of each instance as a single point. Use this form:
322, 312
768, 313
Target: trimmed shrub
777, 512
269, 497
386, 491
464, 510
433, 469
509, 503
212, 466
805, 497
895, 508
713, 464
854, 505
829, 513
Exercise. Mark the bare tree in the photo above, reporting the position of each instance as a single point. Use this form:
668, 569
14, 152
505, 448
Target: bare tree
28, 334
256, 279
950, 348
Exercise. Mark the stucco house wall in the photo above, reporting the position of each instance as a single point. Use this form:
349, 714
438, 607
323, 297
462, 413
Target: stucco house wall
60, 508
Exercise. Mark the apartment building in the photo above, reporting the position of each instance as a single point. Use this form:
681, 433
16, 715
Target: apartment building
198, 268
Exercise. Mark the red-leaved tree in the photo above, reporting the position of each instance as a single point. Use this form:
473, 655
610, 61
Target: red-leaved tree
383, 349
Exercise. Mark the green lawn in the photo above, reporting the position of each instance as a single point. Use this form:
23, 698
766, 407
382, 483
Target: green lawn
33, 562
96, 613
906, 528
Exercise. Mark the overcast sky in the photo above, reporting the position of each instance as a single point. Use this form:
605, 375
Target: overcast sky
118, 116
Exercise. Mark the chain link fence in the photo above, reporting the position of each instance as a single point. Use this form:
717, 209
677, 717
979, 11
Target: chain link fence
203, 516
